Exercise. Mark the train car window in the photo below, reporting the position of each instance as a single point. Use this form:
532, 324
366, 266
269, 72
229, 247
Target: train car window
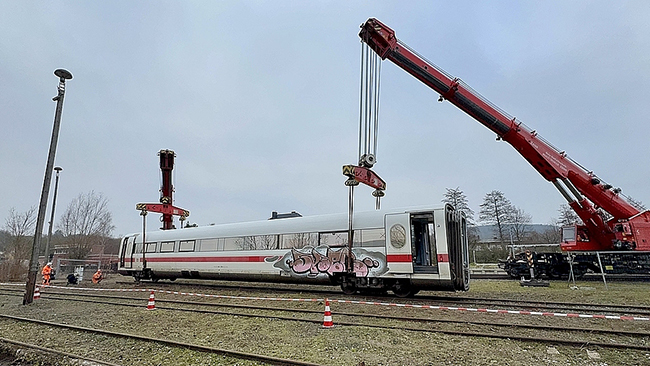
211, 245
340, 238
434, 246
167, 246
151, 247
299, 240
232, 243
138, 248
397, 236
186, 246
258, 242
372, 238
268, 241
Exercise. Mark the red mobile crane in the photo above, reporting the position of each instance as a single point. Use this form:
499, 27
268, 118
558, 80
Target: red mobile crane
628, 229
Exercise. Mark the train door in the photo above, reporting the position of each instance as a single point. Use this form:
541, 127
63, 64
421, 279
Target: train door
136, 253
398, 243
423, 243
123, 252
126, 254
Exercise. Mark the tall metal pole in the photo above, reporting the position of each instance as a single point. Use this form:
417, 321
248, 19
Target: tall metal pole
350, 263
36, 248
48, 258
143, 213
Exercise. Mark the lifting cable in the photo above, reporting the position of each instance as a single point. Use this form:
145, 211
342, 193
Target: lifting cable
369, 106
370, 82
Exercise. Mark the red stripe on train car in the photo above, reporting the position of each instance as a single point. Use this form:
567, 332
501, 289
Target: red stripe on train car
443, 257
399, 258
253, 258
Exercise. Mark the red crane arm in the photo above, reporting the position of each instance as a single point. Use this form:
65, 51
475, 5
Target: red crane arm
165, 207
554, 165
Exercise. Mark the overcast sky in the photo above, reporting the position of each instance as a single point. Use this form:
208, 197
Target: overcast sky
259, 100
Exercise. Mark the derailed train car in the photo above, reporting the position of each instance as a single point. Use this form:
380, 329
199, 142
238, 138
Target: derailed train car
402, 251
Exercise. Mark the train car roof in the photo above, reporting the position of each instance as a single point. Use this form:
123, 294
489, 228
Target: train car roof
306, 224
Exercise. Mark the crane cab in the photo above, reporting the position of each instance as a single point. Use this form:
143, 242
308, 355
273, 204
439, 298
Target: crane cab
579, 238
572, 237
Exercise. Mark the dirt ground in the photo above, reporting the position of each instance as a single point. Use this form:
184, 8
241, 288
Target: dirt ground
341, 345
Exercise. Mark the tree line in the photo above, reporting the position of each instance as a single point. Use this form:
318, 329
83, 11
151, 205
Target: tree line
85, 223
511, 224
508, 220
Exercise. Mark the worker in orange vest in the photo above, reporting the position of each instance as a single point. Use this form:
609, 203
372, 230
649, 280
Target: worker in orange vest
47, 272
98, 276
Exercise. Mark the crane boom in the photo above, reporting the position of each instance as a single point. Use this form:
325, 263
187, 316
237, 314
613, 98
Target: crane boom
584, 191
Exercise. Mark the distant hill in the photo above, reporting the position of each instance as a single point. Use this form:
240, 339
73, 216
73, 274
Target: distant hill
487, 233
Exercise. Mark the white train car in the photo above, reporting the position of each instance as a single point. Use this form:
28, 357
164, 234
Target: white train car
403, 251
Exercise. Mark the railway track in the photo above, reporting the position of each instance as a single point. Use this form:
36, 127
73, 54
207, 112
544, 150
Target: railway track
425, 299
547, 334
51, 351
545, 305
171, 343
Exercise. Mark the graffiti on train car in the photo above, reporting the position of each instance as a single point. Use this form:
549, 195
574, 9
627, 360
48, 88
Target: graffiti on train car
323, 260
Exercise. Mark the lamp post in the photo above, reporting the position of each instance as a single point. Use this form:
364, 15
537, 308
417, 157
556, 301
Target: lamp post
63, 75
48, 258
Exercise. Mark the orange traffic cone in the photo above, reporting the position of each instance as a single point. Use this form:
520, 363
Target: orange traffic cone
37, 293
327, 321
151, 305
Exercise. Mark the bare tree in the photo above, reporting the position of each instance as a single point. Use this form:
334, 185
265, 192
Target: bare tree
457, 198
18, 248
519, 221
567, 216
497, 210
551, 235
86, 222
